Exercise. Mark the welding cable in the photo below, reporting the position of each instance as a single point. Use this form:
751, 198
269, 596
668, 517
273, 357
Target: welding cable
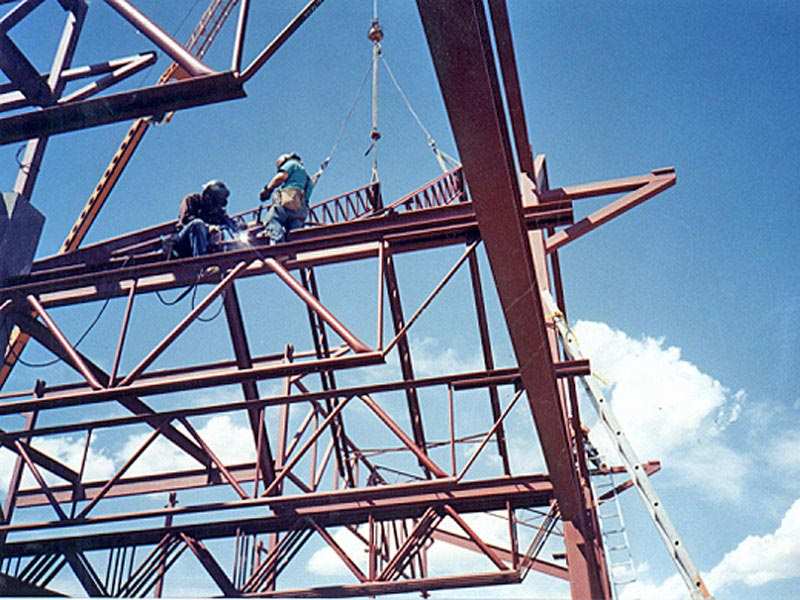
179, 297
50, 363
24, 169
216, 314
88, 330
7, 330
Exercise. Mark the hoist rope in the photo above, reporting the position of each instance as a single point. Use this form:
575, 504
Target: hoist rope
324, 164
441, 156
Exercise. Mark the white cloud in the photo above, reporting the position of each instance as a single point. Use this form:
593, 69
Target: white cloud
672, 588
66, 449
668, 408
720, 470
760, 559
326, 563
756, 561
231, 442
431, 357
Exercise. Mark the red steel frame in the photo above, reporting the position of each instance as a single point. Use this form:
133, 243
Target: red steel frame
510, 211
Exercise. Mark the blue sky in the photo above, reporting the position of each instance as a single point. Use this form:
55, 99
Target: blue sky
690, 301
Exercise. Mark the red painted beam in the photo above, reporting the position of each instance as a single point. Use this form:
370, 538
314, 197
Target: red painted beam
397, 587
461, 47
328, 509
143, 102
536, 564
459, 42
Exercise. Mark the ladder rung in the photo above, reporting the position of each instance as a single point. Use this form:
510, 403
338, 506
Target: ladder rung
613, 531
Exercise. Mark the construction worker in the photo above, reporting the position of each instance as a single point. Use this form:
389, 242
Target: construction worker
199, 220
290, 207
592, 453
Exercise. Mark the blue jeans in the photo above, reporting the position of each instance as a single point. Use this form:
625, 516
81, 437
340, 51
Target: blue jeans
281, 220
192, 239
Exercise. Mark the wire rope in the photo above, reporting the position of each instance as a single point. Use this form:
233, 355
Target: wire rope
324, 164
439, 153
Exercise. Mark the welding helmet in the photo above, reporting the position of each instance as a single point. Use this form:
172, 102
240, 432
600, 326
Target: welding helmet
216, 193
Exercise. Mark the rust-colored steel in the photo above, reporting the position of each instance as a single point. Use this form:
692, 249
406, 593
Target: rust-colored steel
159, 37
477, 115
380, 478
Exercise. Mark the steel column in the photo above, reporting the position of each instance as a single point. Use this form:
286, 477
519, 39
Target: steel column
403, 352
241, 349
460, 45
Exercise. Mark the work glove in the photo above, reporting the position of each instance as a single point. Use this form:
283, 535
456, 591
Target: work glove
265, 194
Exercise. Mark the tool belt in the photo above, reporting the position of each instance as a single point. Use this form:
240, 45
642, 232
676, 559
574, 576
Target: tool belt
291, 199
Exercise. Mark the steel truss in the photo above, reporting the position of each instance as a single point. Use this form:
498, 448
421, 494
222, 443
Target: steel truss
301, 484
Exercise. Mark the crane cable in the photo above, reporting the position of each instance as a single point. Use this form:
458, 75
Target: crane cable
375, 35
324, 164
446, 162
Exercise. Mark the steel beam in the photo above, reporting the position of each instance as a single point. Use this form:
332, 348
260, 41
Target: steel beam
398, 587
458, 39
656, 185
189, 382
12, 586
45, 461
131, 402
24, 75
244, 360
10, 503
508, 65
404, 353
467, 380
16, 14
101, 68
537, 564
241, 29
328, 509
327, 380
203, 34
143, 102
460, 45
314, 304
211, 566
279, 40
488, 359
160, 38
436, 227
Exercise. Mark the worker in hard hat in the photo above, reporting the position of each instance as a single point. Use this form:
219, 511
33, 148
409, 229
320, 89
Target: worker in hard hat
200, 218
292, 186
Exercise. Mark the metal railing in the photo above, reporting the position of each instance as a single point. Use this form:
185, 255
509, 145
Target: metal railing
347, 207
445, 189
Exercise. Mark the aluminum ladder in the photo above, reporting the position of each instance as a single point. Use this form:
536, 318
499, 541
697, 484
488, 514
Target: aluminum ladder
669, 535
621, 566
